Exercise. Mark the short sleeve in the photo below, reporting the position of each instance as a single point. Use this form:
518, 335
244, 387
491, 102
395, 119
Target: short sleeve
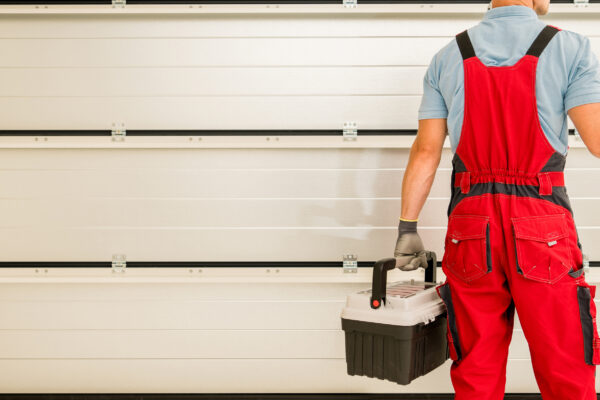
432, 102
584, 78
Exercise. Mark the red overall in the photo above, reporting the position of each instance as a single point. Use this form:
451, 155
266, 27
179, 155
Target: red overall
512, 242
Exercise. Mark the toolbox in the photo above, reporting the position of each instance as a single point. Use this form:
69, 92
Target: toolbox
396, 331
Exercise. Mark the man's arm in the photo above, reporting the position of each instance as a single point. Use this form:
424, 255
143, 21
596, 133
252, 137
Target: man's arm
423, 162
587, 121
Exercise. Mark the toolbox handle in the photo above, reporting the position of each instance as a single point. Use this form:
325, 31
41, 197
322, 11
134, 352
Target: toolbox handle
380, 270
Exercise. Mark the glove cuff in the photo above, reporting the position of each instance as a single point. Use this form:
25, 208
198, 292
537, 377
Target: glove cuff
407, 226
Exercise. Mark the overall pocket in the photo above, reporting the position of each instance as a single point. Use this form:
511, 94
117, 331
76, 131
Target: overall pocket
467, 252
542, 249
587, 313
455, 351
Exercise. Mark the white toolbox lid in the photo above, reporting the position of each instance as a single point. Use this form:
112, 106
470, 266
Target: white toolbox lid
407, 303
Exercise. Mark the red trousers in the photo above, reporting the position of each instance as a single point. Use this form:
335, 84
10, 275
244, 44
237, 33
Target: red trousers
555, 305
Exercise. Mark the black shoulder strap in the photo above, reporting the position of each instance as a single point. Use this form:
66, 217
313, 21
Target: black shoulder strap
542, 40
465, 45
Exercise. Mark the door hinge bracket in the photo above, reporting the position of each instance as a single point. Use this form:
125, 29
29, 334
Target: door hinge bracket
577, 136
350, 3
350, 131
581, 3
586, 263
118, 134
118, 263
350, 263
119, 3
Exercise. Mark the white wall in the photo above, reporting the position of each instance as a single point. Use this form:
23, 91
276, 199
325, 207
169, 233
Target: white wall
179, 198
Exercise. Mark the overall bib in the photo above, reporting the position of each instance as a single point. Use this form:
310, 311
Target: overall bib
511, 242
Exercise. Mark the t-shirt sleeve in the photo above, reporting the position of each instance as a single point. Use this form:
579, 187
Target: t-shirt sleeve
584, 78
432, 102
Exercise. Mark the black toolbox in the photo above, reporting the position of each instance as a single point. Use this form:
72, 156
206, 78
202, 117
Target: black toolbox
395, 332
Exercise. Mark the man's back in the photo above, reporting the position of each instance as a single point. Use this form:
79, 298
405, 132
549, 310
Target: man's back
568, 73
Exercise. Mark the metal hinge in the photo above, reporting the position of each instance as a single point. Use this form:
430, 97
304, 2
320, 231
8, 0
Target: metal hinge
119, 3
350, 263
581, 3
350, 131
586, 264
118, 135
350, 3
577, 136
118, 263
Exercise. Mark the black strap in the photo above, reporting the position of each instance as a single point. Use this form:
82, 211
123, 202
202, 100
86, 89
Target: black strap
536, 49
465, 45
542, 40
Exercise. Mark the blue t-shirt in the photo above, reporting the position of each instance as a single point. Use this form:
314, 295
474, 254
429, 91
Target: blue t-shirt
568, 72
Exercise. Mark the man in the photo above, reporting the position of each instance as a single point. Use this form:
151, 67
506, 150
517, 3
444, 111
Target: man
503, 89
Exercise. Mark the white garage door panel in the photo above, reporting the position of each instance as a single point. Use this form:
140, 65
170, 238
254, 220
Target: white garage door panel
166, 314
170, 183
290, 25
230, 290
181, 344
585, 211
211, 159
217, 212
210, 244
581, 158
186, 52
218, 26
224, 376
239, 158
172, 113
189, 213
161, 52
256, 81
203, 376
197, 344
518, 349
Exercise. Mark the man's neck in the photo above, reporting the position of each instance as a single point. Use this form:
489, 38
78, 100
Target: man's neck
503, 3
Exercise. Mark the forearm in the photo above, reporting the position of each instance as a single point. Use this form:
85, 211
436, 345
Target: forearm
423, 161
417, 182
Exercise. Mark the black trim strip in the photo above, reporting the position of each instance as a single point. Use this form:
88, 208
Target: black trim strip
464, 44
200, 132
224, 132
92, 2
519, 270
192, 264
556, 162
587, 324
575, 273
199, 264
446, 295
541, 41
182, 264
558, 196
247, 396
488, 250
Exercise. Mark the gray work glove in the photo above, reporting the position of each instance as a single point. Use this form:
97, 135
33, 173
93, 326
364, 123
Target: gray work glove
409, 253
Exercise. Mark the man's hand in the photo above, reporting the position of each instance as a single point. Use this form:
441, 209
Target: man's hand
410, 252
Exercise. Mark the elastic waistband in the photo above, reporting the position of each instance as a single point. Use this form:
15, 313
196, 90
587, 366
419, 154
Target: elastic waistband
545, 180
